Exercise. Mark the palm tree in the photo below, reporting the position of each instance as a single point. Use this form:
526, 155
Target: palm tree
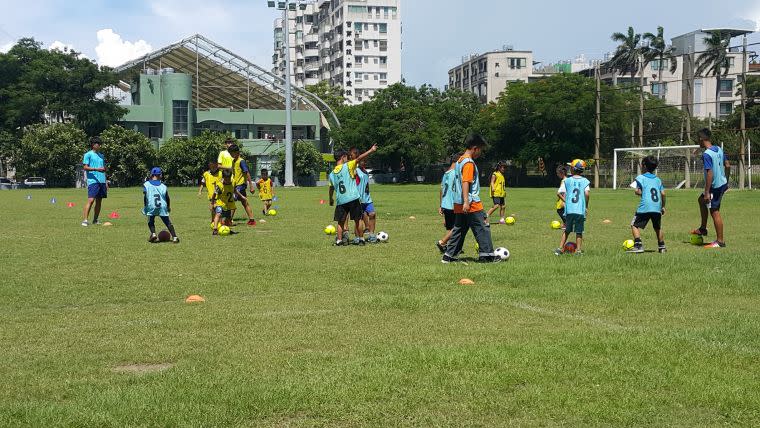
628, 53
714, 61
657, 49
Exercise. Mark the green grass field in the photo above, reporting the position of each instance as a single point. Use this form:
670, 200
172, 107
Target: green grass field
295, 332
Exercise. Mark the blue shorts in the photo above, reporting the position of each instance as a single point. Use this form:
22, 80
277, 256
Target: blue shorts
575, 223
97, 191
717, 196
241, 190
368, 208
223, 212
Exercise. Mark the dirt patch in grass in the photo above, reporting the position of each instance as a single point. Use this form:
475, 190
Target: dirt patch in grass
139, 369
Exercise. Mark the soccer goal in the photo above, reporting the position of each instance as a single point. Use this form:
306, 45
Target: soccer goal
679, 166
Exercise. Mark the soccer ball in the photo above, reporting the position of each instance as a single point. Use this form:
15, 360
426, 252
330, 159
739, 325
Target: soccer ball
628, 244
272, 212
224, 230
556, 225
510, 220
382, 237
502, 253
330, 230
164, 236
696, 239
570, 247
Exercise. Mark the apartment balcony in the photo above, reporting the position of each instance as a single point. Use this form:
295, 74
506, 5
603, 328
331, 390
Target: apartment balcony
311, 38
311, 53
311, 81
311, 67
299, 69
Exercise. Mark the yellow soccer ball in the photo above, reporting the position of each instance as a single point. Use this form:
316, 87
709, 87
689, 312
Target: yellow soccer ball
556, 225
330, 230
272, 212
510, 220
696, 239
628, 244
224, 230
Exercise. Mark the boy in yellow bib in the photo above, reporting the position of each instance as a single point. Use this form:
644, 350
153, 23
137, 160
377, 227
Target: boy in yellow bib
498, 192
266, 190
224, 201
210, 179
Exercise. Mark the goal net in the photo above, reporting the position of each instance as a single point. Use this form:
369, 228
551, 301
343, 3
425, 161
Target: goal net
678, 167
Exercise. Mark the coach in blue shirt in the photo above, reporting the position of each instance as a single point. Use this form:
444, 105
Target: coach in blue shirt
94, 164
716, 185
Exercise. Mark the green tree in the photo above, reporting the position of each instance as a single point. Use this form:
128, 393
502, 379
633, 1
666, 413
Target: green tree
51, 151
657, 49
307, 161
331, 95
627, 57
714, 62
184, 160
38, 85
129, 154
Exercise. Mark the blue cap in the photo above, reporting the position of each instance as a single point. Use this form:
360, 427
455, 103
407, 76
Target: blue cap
155, 171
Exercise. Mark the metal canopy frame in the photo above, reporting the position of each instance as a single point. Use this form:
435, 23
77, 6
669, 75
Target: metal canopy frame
223, 79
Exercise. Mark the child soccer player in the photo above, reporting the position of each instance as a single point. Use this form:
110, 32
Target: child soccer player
368, 208
266, 190
343, 180
716, 185
468, 209
498, 192
446, 205
210, 179
651, 207
241, 179
224, 201
575, 191
560, 206
156, 202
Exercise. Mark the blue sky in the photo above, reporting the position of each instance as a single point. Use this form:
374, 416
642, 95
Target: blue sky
437, 33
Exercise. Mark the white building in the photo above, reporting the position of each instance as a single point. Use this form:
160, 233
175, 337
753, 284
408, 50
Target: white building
352, 44
487, 75
673, 86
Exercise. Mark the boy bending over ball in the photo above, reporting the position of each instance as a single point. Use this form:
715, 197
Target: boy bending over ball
651, 206
343, 181
224, 202
156, 202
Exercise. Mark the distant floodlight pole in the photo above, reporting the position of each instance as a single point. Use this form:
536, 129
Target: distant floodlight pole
285, 7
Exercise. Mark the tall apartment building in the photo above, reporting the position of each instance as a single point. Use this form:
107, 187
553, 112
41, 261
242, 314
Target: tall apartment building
672, 87
487, 75
352, 44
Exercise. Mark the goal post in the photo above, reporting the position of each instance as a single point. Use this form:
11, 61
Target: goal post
675, 168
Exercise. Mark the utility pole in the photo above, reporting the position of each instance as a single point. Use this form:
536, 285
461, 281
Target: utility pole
288, 101
743, 124
688, 100
598, 121
641, 100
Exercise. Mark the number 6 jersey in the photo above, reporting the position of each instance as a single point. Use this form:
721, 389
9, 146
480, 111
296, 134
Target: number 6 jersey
342, 180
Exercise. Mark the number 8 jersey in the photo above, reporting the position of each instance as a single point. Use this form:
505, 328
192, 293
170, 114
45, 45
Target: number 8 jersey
342, 180
651, 193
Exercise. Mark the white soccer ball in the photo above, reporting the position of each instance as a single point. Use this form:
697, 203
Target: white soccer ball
502, 253
382, 237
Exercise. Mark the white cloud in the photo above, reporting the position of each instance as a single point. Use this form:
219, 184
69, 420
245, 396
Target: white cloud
6, 47
113, 51
58, 45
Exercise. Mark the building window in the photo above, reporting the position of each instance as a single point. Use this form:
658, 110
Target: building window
241, 133
518, 62
376, 42
383, 28
155, 130
726, 85
726, 108
659, 89
358, 27
179, 118
497, 65
357, 9
374, 27
366, 76
366, 26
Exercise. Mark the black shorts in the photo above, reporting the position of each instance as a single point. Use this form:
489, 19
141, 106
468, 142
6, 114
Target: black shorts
497, 200
448, 219
240, 189
353, 208
640, 220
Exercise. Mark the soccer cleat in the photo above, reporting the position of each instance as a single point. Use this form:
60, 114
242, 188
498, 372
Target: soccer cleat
358, 241
662, 249
215, 232
580, 253
558, 252
152, 238
95, 222
175, 240
636, 249
446, 259
85, 223
440, 246
264, 212
373, 239
489, 259
715, 244
251, 222
699, 231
